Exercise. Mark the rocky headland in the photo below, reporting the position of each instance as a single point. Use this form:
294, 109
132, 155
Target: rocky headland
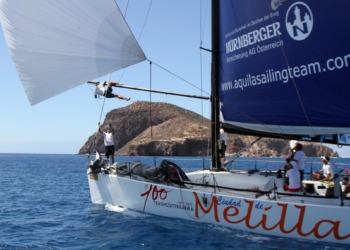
162, 129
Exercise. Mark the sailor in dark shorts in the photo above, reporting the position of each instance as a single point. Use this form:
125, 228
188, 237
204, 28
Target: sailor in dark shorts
110, 151
100, 90
108, 137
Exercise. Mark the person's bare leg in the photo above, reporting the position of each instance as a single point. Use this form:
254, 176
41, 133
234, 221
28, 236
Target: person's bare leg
111, 83
347, 189
122, 97
316, 176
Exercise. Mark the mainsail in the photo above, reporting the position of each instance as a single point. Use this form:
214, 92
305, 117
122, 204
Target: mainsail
58, 45
284, 68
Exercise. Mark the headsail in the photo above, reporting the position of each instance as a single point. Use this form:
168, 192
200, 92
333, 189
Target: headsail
58, 45
284, 68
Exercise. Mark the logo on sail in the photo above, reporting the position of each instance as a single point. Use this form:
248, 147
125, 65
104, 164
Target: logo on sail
299, 21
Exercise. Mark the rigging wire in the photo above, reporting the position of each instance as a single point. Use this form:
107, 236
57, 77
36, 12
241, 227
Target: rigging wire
201, 88
253, 120
126, 8
201, 72
98, 103
282, 136
178, 77
165, 113
104, 99
144, 24
205, 18
150, 113
209, 139
274, 131
110, 76
245, 114
295, 85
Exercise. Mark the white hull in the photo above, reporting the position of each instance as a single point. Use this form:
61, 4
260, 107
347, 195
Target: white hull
302, 217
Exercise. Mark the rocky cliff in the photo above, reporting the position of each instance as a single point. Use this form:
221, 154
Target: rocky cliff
146, 129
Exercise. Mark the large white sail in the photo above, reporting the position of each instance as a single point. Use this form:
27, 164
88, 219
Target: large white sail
58, 45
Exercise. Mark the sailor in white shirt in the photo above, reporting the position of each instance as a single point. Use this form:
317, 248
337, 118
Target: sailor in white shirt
100, 90
298, 156
293, 175
326, 170
108, 137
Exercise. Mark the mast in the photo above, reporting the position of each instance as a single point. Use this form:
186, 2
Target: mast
215, 103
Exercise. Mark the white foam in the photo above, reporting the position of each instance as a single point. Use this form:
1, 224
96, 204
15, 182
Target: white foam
122, 209
254, 238
222, 229
115, 208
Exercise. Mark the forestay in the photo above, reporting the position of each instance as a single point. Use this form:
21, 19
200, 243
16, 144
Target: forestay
58, 45
284, 67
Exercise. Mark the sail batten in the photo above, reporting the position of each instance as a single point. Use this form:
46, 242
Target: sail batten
57, 46
286, 69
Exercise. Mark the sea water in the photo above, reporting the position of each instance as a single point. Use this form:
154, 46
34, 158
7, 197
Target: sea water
45, 204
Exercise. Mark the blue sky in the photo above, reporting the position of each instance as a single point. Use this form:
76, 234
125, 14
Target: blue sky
171, 38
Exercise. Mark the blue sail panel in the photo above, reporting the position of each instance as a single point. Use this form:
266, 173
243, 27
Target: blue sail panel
285, 67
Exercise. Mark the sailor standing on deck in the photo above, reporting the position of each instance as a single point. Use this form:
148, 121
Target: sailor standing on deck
300, 159
108, 137
223, 138
298, 156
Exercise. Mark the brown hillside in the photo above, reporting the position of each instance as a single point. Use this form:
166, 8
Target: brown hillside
179, 132
174, 131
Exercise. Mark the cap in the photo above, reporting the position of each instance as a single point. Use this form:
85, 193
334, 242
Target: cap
293, 143
109, 129
326, 158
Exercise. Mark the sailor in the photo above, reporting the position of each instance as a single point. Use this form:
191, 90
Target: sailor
327, 171
293, 177
108, 137
223, 137
298, 156
100, 90
346, 183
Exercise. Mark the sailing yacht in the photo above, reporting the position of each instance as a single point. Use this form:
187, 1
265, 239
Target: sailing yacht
279, 70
